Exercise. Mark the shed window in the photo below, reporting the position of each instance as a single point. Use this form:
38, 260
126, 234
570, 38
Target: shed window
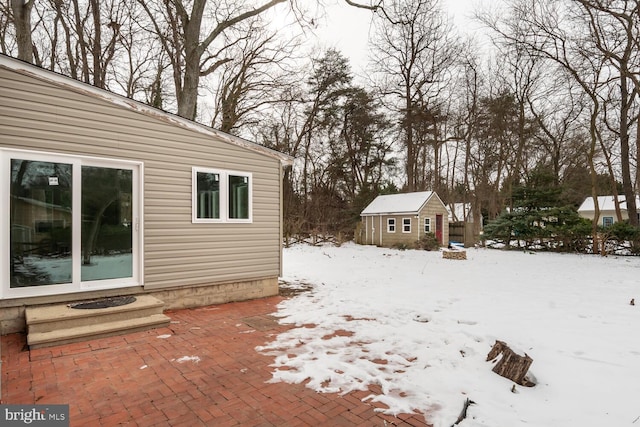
221, 196
607, 221
406, 225
391, 225
427, 225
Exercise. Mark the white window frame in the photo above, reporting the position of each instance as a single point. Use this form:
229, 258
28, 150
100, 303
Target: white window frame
607, 221
224, 196
427, 225
76, 284
391, 225
405, 224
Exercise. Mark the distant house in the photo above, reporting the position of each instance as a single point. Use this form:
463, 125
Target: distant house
404, 218
105, 196
607, 207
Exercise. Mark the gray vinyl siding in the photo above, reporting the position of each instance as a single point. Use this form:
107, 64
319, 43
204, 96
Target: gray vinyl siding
41, 116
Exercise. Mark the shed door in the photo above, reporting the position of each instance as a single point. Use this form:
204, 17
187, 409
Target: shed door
71, 224
439, 229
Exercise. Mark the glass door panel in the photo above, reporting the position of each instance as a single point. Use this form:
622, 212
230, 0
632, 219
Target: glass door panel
40, 223
107, 239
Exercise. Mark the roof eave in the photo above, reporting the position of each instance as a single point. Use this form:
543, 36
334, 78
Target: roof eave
390, 213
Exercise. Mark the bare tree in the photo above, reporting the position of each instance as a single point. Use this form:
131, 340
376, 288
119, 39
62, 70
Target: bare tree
254, 78
414, 56
614, 28
81, 38
189, 43
138, 73
548, 31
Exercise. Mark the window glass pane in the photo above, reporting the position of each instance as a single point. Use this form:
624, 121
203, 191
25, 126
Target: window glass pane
391, 225
40, 217
238, 197
208, 195
106, 223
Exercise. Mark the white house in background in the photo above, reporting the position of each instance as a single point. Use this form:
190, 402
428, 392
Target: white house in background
393, 219
607, 207
461, 212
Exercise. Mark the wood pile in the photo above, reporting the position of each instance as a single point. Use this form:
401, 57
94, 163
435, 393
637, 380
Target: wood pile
447, 254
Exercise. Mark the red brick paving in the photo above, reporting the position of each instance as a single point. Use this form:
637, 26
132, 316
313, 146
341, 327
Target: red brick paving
138, 380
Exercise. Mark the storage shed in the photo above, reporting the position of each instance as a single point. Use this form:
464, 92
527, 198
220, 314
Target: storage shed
395, 219
104, 196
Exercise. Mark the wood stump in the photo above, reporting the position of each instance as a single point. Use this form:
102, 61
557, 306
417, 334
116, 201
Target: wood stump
511, 365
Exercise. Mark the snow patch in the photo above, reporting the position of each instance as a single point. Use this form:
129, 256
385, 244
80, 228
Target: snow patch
415, 331
194, 359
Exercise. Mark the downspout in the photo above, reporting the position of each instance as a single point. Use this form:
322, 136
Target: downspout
281, 222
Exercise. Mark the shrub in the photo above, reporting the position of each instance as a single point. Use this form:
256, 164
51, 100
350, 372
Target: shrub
400, 246
428, 242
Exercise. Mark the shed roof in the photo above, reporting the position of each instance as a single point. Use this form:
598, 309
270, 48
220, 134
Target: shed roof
399, 203
51, 77
605, 203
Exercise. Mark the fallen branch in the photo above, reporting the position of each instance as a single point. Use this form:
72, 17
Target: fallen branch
468, 402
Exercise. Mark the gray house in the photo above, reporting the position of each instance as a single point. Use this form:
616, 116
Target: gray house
404, 218
104, 196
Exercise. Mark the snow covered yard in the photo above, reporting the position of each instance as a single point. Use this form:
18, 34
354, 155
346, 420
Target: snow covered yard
420, 327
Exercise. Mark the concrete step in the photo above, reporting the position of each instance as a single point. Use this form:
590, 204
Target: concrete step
62, 324
102, 330
62, 316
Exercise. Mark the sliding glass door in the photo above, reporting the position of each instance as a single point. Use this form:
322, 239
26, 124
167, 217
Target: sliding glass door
40, 223
73, 223
107, 244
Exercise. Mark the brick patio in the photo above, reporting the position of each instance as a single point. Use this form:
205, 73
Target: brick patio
144, 380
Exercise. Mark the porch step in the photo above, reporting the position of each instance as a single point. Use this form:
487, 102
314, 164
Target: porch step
60, 324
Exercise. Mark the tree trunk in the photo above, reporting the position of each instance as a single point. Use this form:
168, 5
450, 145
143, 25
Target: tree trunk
511, 365
22, 21
625, 155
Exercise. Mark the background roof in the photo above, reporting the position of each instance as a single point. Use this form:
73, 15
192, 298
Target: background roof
605, 203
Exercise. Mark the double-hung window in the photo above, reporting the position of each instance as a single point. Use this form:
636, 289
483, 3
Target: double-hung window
607, 221
391, 225
221, 195
427, 225
406, 225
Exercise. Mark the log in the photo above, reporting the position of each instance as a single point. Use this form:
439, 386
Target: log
511, 365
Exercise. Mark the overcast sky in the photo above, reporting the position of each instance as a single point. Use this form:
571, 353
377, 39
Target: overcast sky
347, 28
